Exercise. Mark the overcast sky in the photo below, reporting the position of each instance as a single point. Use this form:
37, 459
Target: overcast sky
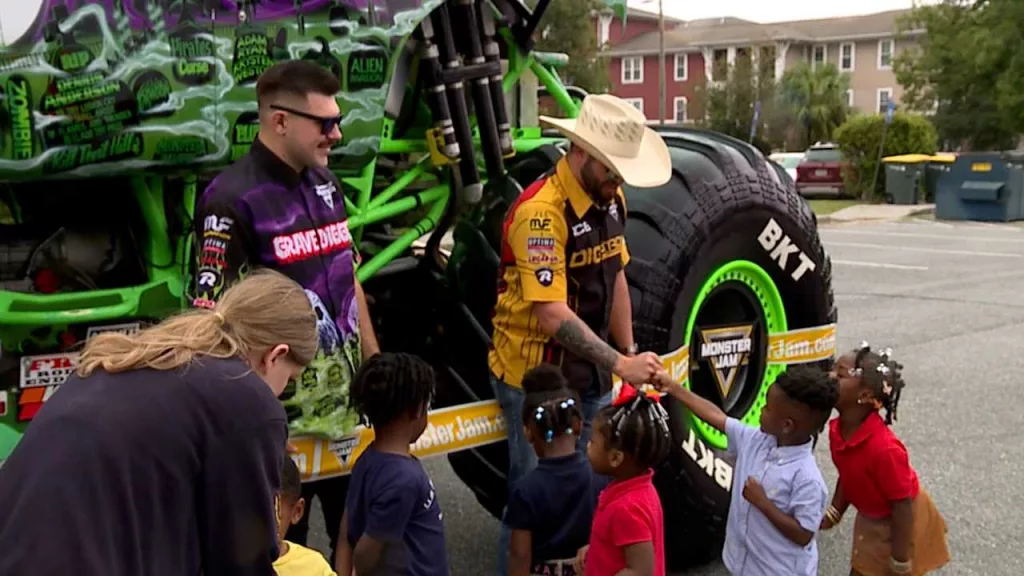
769, 10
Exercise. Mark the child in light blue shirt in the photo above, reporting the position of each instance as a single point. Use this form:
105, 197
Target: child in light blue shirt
778, 493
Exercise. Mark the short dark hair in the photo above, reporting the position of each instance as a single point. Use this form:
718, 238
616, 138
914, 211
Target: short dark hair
291, 482
390, 384
812, 387
297, 78
549, 403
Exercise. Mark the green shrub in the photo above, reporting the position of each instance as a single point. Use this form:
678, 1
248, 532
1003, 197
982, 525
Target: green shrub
860, 137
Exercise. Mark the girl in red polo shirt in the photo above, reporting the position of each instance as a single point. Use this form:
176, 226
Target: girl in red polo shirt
898, 529
628, 439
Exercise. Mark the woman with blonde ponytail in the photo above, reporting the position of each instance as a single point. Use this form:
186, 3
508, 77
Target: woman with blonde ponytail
162, 454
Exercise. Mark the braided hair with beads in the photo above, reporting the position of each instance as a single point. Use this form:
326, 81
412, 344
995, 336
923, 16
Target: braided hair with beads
882, 375
637, 426
390, 384
550, 407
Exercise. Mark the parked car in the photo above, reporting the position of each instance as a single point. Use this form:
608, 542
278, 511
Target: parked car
821, 171
789, 161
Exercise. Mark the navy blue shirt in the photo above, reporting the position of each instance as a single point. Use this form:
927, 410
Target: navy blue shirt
155, 472
391, 498
555, 502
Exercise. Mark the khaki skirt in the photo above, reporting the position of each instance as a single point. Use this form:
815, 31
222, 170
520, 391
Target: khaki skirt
872, 541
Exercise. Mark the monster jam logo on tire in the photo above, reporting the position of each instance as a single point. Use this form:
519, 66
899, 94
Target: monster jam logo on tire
343, 448
779, 247
727, 350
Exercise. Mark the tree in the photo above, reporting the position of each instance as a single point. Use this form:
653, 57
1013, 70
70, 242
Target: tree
567, 27
859, 139
729, 105
967, 71
816, 99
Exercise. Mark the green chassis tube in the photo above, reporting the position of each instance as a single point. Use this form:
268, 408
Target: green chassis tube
167, 252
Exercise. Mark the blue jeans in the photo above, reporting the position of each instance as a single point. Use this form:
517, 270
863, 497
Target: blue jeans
521, 456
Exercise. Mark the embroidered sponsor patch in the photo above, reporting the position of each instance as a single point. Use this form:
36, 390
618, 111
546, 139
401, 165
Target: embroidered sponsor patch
540, 244
545, 277
315, 241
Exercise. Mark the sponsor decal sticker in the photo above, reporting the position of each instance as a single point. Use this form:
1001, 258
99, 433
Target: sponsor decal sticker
126, 329
47, 369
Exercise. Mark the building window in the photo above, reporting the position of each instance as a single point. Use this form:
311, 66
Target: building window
849, 98
720, 65
884, 96
766, 62
846, 57
818, 56
637, 103
682, 67
679, 106
885, 54
633, 70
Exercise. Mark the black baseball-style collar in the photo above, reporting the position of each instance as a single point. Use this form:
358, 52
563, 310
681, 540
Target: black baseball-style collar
273, 165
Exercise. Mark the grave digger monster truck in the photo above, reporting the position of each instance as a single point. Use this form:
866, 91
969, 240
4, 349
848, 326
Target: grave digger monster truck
114, 113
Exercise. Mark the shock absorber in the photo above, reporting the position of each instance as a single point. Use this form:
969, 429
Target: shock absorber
482, 101
436, 98
493, 54
472, 188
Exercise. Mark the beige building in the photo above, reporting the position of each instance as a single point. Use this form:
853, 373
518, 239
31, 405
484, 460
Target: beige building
861, 46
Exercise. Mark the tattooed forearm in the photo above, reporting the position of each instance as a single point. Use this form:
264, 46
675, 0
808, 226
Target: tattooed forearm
581, 340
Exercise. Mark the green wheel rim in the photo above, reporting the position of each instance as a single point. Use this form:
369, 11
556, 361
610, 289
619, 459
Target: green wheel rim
767, 294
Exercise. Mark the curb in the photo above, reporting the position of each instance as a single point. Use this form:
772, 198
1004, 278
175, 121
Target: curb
829, 219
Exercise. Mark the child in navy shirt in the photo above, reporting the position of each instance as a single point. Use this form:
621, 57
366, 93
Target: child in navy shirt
392, 523
550, 509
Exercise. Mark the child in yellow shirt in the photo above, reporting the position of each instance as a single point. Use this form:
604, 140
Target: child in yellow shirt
294, 559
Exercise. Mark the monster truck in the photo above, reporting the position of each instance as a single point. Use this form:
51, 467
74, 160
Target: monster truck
114, 113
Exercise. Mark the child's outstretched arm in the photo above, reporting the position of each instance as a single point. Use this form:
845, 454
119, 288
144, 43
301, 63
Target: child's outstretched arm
520, 551
704, 409
639, 560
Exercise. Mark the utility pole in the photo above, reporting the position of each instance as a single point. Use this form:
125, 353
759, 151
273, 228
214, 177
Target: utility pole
661, 62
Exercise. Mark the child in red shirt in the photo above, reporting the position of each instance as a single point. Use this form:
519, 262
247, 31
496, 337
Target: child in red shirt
898, 529
628, 535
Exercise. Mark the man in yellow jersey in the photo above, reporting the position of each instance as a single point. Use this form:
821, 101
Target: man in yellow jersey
562, 284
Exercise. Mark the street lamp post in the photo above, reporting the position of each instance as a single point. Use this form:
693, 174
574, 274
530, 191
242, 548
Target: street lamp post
661, 62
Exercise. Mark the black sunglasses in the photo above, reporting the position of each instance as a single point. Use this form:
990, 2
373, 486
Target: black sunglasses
326, 124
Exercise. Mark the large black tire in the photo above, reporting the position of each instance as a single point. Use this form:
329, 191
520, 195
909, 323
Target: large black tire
722, 195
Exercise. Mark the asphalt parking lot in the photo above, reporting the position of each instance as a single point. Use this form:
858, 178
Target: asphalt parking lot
949, 299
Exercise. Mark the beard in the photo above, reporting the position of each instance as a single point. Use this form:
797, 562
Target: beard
601, 190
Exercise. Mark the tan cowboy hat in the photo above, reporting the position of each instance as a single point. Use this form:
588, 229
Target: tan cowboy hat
615, 133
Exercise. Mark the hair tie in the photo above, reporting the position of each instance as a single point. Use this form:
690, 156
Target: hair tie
219, 316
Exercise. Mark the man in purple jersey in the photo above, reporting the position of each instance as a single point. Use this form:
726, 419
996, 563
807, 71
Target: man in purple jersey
280, 207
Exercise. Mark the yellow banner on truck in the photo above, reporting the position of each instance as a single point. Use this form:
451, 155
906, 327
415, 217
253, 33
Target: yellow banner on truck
479, 423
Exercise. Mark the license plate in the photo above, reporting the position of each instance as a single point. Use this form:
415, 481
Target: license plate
47, 369
821, 172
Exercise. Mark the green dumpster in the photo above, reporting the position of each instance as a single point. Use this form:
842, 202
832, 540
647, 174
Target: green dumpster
938, 165
904, 176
